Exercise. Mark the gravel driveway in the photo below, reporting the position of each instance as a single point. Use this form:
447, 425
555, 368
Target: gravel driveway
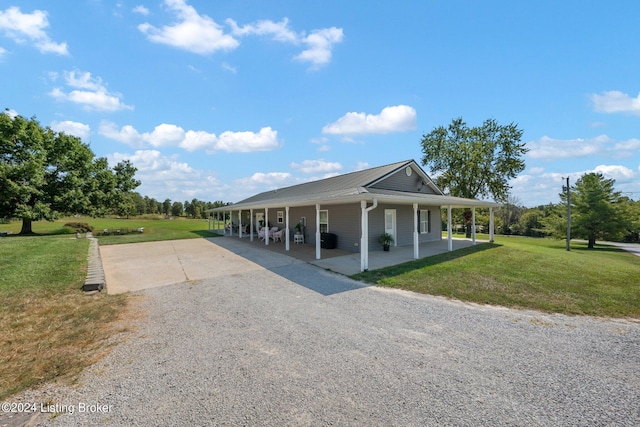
291, 344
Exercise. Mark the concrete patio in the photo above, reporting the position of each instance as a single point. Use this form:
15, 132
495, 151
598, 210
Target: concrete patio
348, 263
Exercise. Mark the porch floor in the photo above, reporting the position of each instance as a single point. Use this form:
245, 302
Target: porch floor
348, 263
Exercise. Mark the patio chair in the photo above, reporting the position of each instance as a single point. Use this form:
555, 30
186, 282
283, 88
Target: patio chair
272, 233
279, 235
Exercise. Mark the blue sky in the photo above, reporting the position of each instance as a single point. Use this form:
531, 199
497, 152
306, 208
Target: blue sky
218, 100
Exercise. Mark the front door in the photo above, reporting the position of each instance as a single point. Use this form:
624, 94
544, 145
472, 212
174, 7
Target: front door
390, 224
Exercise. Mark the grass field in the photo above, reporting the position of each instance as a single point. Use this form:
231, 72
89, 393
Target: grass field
155, 229
50, 328
526, 273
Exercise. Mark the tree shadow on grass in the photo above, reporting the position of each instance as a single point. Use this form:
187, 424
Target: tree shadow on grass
374, 276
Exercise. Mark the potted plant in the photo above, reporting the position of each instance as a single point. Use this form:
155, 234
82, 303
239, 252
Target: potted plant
386, 240
298, 228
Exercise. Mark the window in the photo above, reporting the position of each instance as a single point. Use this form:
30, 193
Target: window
280, 217
324, 221
424, 217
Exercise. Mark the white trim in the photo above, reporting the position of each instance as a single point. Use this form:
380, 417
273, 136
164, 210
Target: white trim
286, 245
266, 226
473, 225
449, 230
394, 225
318, 231
251, 225
416, 242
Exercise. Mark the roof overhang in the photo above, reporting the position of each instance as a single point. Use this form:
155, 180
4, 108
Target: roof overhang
359, 194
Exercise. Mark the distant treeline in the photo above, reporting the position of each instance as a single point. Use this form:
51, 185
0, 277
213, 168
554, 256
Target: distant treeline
142, 205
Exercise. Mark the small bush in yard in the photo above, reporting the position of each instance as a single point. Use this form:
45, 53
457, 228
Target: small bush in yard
79, 227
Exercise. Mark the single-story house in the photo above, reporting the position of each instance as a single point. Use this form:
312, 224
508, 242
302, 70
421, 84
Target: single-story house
355, 208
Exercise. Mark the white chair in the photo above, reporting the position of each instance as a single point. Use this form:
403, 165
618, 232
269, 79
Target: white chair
279, 235
273, 232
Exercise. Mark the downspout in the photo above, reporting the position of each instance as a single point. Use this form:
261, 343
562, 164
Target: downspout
364, 235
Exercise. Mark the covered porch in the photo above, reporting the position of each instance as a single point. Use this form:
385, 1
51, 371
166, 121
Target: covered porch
345, 262
364, 259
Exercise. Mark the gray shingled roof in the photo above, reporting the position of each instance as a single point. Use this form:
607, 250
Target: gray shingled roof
349, 187
338, 184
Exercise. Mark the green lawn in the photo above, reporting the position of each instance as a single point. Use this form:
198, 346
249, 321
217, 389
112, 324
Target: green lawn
50, 328
527, 273
155, 229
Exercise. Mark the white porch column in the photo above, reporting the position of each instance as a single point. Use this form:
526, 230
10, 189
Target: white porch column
266, 226
364, 233
364, 237
286, 230
416, 244
491, 224
449, 230
230, 223
240, 223
317, 231
473, 225
251, 225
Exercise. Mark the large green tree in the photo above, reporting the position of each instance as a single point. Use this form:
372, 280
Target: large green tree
474, 162
44, 174
597, 211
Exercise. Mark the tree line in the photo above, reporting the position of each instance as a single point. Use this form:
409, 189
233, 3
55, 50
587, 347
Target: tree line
46, 174
145, 205
598, 212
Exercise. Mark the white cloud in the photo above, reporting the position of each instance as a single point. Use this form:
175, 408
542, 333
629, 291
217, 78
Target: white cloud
69, 127
278, 31
23, 27
167, 177
361, 166
631, 144
193, 32
320, 45
165, 135
2, 52
168, 135
399, 118
269, 179
200, 34
90, 92
315, 166
548, 148
141, 10
11, 113
229, 68
615, 101
617, 172
265, 140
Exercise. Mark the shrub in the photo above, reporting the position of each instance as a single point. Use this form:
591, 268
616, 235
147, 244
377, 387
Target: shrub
79, 227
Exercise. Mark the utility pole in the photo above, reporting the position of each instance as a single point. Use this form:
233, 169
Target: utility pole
568, 190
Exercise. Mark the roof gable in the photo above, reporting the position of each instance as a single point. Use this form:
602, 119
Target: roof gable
409, 178
345, 183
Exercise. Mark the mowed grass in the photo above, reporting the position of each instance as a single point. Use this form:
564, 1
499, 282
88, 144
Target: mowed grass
527, 273
50, 328
155, 228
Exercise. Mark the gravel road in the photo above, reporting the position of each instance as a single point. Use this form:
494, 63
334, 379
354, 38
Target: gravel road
291, 344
